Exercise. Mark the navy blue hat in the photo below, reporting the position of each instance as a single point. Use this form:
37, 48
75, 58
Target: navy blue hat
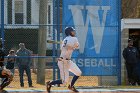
68, 30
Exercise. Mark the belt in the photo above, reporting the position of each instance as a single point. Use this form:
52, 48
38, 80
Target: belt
64, 58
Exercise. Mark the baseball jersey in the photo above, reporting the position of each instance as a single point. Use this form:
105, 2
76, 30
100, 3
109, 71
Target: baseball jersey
69, 44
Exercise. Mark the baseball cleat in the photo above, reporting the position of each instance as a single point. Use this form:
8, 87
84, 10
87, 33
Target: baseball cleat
48, 86
72, 88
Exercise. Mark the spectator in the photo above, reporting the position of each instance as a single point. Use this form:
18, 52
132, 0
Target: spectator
131, 55
11, 61
4, 73
24, 61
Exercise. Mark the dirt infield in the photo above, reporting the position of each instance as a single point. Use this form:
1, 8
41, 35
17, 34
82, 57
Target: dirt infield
83, 81
16, 82
88, 85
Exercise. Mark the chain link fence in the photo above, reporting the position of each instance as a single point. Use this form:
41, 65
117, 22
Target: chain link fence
33, 22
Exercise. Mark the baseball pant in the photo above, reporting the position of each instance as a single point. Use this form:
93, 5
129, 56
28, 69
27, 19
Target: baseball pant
65, 66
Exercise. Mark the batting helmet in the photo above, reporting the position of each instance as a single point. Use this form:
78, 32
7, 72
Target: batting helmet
68, 30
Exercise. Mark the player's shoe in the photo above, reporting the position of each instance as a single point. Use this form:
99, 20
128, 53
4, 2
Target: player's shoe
48, 86
72, 88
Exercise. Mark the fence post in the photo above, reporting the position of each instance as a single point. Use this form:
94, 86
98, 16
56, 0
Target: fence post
42, 41
2, 22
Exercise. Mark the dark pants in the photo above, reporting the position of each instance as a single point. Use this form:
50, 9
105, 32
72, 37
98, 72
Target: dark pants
130, 73
136, 73
25, 68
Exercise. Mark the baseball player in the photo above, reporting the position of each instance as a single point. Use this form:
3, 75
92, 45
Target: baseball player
4, 73
65, 64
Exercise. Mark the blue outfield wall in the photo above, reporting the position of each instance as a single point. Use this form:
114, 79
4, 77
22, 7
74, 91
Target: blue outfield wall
97, 24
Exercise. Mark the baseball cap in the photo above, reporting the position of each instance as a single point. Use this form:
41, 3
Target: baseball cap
21, 44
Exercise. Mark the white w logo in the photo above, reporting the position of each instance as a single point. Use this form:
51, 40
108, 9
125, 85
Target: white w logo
92, 17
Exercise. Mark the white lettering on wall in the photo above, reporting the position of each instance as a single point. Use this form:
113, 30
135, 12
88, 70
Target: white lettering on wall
101, 62
92, 18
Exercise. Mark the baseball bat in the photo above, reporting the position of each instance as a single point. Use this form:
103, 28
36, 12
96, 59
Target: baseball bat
54, 42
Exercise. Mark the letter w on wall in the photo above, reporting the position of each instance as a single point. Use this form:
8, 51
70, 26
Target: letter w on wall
97, 24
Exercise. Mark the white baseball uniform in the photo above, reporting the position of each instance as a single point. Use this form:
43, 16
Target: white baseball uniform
65, 63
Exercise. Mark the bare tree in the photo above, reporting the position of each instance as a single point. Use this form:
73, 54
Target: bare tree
42, 41
130, 8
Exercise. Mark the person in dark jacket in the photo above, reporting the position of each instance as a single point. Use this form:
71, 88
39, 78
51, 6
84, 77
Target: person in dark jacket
23, 61
131, 56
